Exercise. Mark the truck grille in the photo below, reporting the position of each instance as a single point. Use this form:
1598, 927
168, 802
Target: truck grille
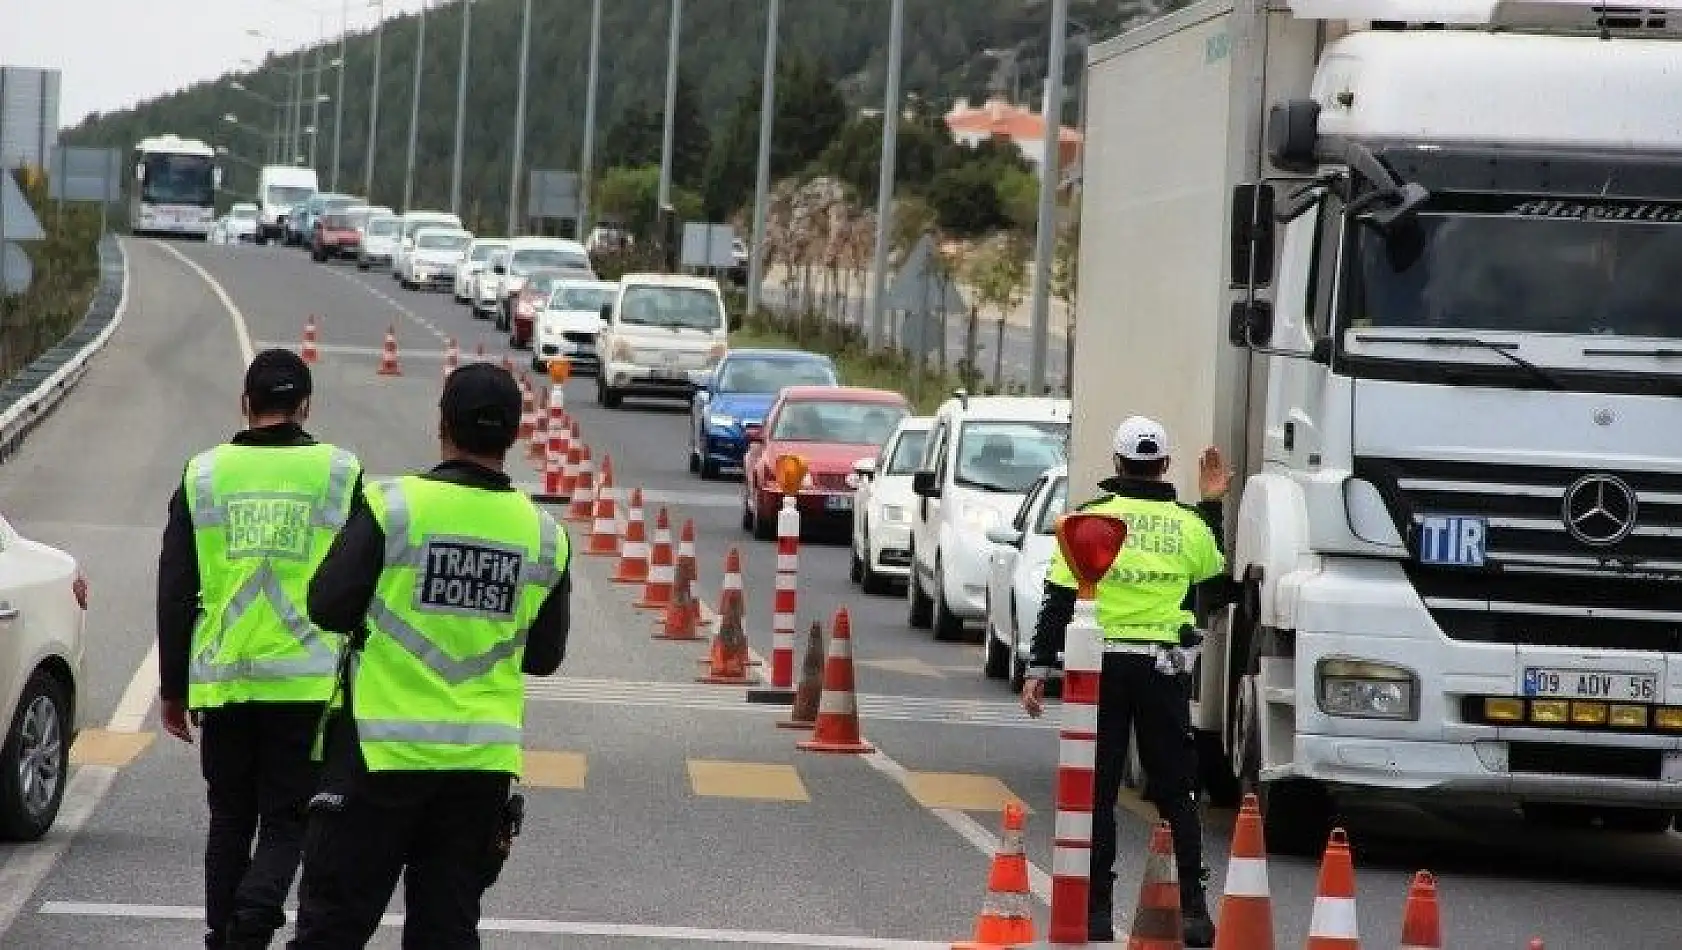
1541, 585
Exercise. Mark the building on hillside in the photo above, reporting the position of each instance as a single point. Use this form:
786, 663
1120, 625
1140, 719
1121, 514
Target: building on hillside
1000, 118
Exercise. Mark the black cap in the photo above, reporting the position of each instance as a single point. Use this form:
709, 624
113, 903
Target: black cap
481, 407
277, 379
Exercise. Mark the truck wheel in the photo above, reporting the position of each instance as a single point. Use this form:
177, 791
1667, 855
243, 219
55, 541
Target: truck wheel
35, 760
1215, 773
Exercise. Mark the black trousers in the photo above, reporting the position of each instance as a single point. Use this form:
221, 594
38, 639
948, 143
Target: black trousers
1132, 694
438, 830
259, 779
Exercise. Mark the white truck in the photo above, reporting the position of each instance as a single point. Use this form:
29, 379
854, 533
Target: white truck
1412, 264
281, 192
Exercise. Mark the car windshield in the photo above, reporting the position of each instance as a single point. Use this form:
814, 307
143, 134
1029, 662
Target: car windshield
689, 308
410, 227
908, 453
534, 258
179, 180
289, 194
442, 242
837, 421
770, 374
1053, 507
1528, 265
483, 252
542, 283
382, 227
1008, 456
592, 299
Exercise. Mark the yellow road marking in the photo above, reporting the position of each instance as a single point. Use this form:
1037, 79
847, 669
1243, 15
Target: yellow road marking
554, 770
755, 780
961, 792
111, 749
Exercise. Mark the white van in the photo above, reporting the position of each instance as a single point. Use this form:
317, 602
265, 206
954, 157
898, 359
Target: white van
660, 337
408, 224
280, 189
982, 456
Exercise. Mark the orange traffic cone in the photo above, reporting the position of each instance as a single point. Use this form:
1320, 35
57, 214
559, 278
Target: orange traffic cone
662, 566
1246, 913
1007, 916
307, 351
1157, 924
569, 470
633, 544
452, 357
603, 539
1422, 927
528, 415
837, 727
388, 356
804, 714
583, 505
727, 662
538, 446
682, 618
1333, 925
1536, 944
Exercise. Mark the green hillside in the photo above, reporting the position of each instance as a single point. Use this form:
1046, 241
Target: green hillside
845, 40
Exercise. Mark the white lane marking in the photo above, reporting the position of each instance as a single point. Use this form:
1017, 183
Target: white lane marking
241, 333
136, 701
519, 925
394, 304
28, 865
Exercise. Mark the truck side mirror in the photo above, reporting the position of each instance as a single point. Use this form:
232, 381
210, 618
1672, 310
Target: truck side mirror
1252, 235
607, 313
924, 485
1250, 324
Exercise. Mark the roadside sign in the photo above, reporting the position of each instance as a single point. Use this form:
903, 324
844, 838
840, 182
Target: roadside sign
551, 194
708, 245
86, 174
17, 219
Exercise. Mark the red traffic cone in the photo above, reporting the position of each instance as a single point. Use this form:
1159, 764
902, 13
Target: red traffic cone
1422, 927
727, 662
604, 538
837, 728
662, 566
388, 356
307, 351
1157, 924
633, 544
1007, 914
804, 714
1333, 925
1246, 921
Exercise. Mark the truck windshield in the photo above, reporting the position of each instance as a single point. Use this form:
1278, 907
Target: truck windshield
679, 308
179, 180
442, 242
1524, 264
288, 194
535, 258
1006, 457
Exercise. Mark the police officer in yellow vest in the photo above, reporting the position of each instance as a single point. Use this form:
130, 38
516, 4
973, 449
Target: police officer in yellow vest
236, 656
452, 584
1143, 609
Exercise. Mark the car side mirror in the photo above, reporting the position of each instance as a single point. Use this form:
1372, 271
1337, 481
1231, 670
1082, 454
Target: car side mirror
607, 313
865, 468
755, 433
924, 485
1009, 537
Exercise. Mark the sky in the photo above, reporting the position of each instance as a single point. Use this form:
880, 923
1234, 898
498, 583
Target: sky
114, 53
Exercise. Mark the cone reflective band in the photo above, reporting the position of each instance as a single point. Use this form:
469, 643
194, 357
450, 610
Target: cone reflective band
1007, 916
1090, 543
560, 370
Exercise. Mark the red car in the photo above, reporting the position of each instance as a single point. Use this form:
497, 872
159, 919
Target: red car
335, 236
831, 427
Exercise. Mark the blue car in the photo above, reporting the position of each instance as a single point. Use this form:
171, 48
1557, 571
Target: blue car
738, 394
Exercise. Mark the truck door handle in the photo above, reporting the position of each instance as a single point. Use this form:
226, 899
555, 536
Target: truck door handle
8, 612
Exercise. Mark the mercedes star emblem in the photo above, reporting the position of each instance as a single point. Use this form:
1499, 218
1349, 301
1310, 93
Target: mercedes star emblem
1599, 509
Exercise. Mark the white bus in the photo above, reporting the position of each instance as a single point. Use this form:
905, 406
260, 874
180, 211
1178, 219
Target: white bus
176, 180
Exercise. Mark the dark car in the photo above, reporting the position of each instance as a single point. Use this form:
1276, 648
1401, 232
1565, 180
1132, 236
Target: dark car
738, 394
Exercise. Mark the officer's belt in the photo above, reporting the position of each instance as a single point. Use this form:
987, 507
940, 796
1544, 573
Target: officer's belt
1140, 647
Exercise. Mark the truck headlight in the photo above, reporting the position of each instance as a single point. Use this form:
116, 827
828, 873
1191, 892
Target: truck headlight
978, 518
893, 514
1360, 689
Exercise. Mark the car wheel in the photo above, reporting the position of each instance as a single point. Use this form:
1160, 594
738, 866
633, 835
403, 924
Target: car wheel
764, 526
920, 610
873, 581
35, 760
707, 466
947, 625
855, 565
606, 395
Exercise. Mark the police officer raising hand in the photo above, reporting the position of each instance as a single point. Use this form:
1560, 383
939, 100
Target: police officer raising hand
1143, 608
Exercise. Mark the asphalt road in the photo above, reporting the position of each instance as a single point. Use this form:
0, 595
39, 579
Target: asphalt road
663, 813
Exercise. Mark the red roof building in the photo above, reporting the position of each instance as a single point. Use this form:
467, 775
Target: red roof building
998, 118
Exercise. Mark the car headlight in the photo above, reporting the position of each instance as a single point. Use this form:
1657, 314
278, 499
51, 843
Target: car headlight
893, 514
978, 518
721, 421
1360, 689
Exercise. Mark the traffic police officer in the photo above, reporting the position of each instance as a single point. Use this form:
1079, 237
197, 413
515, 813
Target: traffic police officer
247, 526
1142, 605
452, 584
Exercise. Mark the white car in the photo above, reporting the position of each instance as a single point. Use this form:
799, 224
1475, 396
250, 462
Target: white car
568, 326
1021, 556
882, 503
377, 241
984, 453
411, 222
431, 263
487, 285
242, 222
473, 263
43, 614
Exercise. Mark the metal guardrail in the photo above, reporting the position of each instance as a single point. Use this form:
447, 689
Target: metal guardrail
30, 396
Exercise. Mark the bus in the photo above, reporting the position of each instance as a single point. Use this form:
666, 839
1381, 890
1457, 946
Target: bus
176, 181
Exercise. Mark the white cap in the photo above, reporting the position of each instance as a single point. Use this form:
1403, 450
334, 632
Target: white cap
1139, 439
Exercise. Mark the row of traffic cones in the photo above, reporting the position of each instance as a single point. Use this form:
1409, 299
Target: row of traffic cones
390, 364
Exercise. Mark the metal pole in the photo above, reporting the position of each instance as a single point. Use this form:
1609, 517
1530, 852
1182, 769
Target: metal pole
414, 114
278, 139
297, 139
315, 99
461, 106
373, 111
519, 126
885, 186
587, 173
671, 104
762, 181
1045, 231
339, 104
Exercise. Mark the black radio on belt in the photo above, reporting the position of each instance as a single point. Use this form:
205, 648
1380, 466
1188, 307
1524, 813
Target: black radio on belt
513, 820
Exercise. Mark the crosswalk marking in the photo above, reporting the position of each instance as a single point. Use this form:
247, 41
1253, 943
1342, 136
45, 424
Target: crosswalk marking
608, 692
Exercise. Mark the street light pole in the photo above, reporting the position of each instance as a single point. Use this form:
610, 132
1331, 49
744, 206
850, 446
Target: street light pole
297, 139
461, 107
587, 172
315, 100
762, 178
414, 114
339, 103
374, 107
1045, 233
885, 186
671, 105
519, 126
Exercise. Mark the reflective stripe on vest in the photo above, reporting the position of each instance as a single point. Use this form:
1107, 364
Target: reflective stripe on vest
253, 671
